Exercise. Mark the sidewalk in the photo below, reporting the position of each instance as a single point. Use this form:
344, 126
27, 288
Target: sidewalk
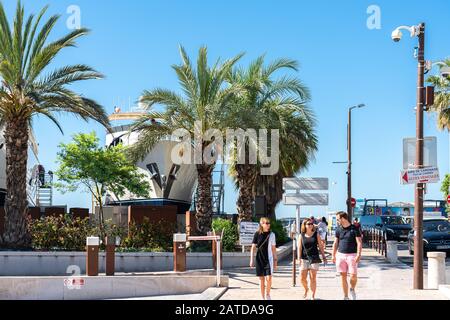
377, 279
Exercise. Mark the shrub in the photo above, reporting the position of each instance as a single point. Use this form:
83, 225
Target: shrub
156, 236
66, 233
280, 234
230, 233
60, 233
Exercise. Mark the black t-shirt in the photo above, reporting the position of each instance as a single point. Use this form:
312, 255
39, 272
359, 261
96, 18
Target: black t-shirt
347, 239
260, 240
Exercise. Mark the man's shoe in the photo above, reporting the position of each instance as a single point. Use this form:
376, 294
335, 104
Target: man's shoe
353, 294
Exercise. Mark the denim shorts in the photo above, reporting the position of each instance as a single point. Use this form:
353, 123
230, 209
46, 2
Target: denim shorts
306, 265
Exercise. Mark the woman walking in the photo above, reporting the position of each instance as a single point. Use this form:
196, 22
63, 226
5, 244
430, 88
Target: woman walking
266, 256
309, 245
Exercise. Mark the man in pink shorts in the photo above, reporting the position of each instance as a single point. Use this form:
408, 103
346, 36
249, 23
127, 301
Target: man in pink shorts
347, 252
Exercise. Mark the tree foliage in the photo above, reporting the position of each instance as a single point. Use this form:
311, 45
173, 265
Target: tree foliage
83, 163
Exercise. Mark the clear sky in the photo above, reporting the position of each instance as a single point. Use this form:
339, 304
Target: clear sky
343, 62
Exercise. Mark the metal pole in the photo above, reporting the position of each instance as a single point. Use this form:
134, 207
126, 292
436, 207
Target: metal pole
349, 164
218, 262
297, 217
418, 194
294, 258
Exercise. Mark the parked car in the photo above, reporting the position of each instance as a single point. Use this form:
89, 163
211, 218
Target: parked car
436, 236
393, 227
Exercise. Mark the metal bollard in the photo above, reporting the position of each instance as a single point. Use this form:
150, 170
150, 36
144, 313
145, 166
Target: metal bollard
379, 241
372, 237
92, 244
214, 254
179, 252
436, 269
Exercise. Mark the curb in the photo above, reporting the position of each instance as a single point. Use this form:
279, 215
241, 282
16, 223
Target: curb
213, 293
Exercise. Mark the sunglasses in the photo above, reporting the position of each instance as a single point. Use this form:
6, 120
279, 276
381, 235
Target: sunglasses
309, 224
266, 223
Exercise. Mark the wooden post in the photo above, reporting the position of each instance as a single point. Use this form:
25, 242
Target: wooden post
179, 252
110, 255
92, 244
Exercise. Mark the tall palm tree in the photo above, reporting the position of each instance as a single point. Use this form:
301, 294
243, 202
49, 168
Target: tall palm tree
26, 92
298, 143
204, 99
263, 101
442, 97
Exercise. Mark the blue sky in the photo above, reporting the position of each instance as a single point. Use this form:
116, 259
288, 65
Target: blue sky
135, 42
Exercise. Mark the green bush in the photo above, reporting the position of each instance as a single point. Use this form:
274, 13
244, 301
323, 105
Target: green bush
148, 235
230, 233
63, 233
280, 234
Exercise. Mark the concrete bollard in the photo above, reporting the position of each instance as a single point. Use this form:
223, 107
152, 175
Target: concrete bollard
392, 251
436, 269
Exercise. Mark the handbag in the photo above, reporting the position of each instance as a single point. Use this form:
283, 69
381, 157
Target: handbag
310, 260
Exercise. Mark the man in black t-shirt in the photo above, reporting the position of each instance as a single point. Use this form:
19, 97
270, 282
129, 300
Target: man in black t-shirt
347, 248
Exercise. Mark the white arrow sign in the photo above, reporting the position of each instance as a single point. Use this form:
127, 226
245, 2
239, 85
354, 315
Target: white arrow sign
305, 183
424, 175
306, 199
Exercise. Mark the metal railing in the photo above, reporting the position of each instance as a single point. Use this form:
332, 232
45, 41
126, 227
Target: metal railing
376, 239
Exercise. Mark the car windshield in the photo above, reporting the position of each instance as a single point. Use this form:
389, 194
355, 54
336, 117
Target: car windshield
393, 220
440, 226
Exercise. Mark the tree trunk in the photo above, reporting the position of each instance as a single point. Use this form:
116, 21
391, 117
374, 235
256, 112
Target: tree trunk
271, 187
204, 201
246, 176
16, 235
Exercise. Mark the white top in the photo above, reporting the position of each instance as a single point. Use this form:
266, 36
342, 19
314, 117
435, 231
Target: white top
272, 242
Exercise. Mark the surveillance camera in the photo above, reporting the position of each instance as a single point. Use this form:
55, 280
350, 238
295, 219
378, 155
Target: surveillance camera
396, 35
445, 72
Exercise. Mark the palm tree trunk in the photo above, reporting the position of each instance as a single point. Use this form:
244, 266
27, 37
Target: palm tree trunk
204, 202
271, 187
16, 233
246, 176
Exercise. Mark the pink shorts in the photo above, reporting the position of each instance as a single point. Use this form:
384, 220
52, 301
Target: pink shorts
345, 263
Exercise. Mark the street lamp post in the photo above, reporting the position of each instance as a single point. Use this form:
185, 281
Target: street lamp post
418, 31
349, 161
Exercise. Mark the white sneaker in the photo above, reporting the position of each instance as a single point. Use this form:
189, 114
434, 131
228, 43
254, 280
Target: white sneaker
268, 297
353, 294
346, 298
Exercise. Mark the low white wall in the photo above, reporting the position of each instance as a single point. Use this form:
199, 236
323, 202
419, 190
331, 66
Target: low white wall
63, 263
102, 287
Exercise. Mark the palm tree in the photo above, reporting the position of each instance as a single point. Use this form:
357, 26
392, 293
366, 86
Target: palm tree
200, 107
442, 97
26, 92
265, 102
298, 143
